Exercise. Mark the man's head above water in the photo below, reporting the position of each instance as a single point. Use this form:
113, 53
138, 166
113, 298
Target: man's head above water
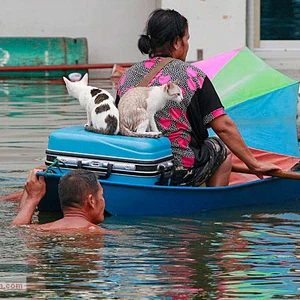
80, 189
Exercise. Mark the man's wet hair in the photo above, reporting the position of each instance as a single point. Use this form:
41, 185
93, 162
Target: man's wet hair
75, 186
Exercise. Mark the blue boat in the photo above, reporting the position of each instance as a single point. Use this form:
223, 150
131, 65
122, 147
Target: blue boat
134, 174
141, 199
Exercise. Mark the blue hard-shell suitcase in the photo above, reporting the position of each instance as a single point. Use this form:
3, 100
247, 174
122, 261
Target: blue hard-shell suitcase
121, 159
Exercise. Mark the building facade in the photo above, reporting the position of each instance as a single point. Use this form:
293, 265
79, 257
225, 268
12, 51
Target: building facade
112, 27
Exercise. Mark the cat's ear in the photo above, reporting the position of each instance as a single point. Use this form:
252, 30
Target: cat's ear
67, 81
177, 81
169, 85
85, 79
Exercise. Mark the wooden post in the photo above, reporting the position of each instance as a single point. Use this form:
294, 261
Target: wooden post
199, 54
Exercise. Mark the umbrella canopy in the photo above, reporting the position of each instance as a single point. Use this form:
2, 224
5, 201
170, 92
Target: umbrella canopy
261, 100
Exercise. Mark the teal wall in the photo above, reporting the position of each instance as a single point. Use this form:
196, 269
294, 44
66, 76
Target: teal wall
35, 51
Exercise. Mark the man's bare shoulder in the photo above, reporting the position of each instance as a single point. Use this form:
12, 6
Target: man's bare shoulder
89, 229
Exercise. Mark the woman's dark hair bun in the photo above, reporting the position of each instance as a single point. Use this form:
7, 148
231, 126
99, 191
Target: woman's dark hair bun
162, 29
144, 44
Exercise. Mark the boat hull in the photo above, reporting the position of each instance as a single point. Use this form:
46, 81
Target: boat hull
160, 200
131, 199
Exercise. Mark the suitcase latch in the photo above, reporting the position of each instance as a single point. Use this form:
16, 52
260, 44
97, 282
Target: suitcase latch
95, 163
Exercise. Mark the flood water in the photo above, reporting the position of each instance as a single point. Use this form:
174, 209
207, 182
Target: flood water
244, 253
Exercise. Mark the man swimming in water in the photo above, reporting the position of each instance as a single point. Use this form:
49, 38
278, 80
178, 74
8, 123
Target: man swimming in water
81, 199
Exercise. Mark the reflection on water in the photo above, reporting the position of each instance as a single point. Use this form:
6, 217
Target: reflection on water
245, 253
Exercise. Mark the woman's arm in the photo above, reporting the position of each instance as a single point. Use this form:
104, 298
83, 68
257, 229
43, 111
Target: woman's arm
226, 129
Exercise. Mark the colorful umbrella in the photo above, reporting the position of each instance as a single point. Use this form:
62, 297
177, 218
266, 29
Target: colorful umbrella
260, 100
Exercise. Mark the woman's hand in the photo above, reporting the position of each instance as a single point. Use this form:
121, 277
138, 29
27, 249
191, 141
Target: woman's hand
260, 169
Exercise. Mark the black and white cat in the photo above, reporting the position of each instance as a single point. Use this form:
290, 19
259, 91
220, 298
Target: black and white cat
138, 106
102, 114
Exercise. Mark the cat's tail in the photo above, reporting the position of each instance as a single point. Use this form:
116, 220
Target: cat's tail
128, 132
111, 128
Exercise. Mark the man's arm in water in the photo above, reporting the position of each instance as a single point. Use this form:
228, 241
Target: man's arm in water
34, 191
12, 197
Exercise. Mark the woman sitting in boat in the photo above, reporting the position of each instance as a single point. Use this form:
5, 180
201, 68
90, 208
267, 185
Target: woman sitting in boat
198, 158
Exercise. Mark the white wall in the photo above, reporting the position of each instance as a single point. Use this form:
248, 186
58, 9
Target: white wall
216, 26
112, 27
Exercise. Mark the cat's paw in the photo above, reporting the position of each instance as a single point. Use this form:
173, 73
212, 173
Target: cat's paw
159, 134
88, 127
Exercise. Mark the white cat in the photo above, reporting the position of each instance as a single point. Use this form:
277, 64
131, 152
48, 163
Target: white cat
102, 114
138, 106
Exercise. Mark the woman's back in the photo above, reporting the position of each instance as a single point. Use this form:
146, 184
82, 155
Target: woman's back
172, 120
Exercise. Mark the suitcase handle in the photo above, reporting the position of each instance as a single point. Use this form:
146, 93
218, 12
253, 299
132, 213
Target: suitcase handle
100, 176
164, 178
108, 172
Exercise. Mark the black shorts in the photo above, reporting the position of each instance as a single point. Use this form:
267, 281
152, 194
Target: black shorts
196, 176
